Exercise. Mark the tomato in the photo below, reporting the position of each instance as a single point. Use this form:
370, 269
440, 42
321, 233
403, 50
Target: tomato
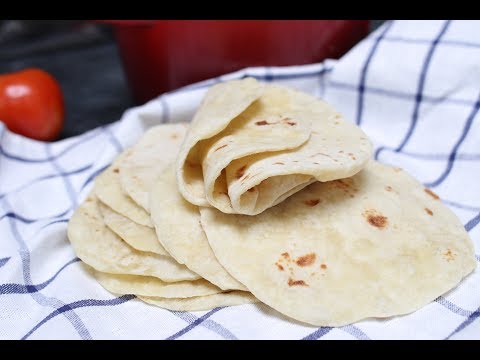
31, 104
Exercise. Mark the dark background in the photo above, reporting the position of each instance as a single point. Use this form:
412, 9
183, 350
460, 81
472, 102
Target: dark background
83, 57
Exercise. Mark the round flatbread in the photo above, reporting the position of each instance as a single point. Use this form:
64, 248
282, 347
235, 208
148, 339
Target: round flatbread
202, 302
177, 224
146, 160
96, 245
374, 245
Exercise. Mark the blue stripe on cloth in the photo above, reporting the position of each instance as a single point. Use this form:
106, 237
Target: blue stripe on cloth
93, 176
112, 138
402, 95
441, 157
209, 324
193, 324
421, 85
46, 177
472, 222
165, 110
461, 206
68, 308
317, 334
364, 71
37, 296
54, 222
453, 307
23, 289
464, 324
453, 154
25, 220
84, 138
355, 331
427, 41
3, 261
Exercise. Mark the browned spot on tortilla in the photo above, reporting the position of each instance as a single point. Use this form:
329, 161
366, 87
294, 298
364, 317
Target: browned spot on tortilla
340, 184
190, 164
220, 147
279, 266
285, 255
311, 202
291, 123
240, 172
449, 255
262, 122
278, 163
431, 193
388, 188
292, 282
174, 136
323, 266
116, 170
340, 152
397, 169
429, 212
376, 219
295, 161
326, 155
252, 189
306, 260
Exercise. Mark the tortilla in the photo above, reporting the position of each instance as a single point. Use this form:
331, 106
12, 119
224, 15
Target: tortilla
277, 143
145, 161
177, 224
108, 189
99, 247
139, 237
202, 302
377, 244
151, 286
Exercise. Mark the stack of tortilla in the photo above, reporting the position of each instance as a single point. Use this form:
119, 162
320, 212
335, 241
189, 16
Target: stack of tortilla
269, 195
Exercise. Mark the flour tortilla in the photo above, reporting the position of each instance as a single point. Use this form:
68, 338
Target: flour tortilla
375, 245
151, 286
108, 189
157, 148
99, 247
177, 224
202, 302
139, 237
279, 143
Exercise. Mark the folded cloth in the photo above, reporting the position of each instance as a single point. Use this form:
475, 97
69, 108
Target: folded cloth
411, 85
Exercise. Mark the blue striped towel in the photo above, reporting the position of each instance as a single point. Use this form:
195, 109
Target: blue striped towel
413, 86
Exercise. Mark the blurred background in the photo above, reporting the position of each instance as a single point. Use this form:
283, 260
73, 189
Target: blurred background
106, 67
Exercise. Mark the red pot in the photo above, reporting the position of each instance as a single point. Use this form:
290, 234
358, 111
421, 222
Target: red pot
161, 55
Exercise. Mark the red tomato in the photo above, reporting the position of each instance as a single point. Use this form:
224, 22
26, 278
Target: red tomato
31, 104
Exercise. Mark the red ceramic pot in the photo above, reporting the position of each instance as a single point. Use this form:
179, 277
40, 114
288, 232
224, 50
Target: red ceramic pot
161, 55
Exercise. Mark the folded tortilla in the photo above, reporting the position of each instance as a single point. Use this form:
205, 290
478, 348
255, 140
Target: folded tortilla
250, 146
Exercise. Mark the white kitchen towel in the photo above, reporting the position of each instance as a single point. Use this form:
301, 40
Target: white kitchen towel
413, 86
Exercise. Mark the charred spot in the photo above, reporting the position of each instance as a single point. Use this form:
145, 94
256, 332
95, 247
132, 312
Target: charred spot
306, 260
449, 255
240, 172
291, 123
262, 122
116, 170
323, 266
431, 193
285, 255
278, 163
388, 188
220, 147
311, 202
279, 266
340, 152
429, 212
376, 219
340, 184
292, 282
